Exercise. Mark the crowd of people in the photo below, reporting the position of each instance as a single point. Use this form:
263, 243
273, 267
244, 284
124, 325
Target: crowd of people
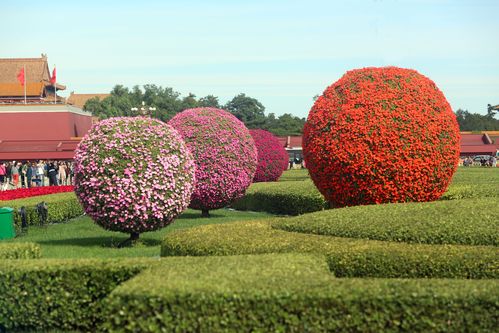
483, 160
26, 174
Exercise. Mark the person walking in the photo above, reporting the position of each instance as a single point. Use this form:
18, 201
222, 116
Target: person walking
52, 174
62, 173
40, 173
3, 172
15, 174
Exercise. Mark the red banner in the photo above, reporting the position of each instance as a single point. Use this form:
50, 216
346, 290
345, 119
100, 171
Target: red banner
53, 79
20, 76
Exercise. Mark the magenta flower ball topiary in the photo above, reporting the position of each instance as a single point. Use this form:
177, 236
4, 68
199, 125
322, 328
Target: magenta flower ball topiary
133, 174
272, 157
224, 152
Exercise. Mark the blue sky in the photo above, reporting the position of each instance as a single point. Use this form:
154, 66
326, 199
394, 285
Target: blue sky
280, 52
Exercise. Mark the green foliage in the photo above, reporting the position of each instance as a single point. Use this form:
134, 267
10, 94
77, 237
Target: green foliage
61, 207
59, 294
476, 122
292, 293
284, 198
19, 251
468, 191
285, 124
82, 238
169, 102
347, 257
294, 175
470, 221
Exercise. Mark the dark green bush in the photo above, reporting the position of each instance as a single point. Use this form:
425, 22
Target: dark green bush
471, 221
285, 198
347, 257
47, 294
61, 207
292, 293
19, 251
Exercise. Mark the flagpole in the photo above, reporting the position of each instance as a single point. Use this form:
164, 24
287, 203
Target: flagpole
55, 88
24, 69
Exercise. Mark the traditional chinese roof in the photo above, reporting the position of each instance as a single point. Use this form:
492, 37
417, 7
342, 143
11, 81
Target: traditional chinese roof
79, 100
37, 76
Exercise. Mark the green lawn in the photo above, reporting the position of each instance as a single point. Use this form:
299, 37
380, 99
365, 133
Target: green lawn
81, 238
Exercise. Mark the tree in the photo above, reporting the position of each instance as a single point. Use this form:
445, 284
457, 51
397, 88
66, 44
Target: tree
189, 102
209, 101
284, 125
169, 102
247, 109
477, 122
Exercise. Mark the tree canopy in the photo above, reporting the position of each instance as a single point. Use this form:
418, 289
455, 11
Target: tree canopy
169, 102
477, 122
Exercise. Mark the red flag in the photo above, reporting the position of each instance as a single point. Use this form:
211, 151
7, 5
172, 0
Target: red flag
53, 79
20, 76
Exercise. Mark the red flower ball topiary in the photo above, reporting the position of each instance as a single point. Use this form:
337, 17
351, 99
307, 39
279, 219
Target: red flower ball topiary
224, 153
381, 135
272, 157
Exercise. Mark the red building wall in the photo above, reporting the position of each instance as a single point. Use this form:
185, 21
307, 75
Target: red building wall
43, 125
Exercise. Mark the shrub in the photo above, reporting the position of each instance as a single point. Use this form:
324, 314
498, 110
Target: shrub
272, 157
225, 155
347, 257
292, 293
133, 174
33, 191
471, 221
469, 191
44, 294
19, 251
285, 198
61, 207
381, 135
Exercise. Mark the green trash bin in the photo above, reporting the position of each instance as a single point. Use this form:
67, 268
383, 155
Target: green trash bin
7, 223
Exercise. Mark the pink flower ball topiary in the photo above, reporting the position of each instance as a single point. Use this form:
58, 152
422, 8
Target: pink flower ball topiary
272, 157
133, 174
224, 152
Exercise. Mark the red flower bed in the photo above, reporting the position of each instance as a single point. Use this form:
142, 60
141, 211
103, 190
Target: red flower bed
33, 192
272, 157
381, 135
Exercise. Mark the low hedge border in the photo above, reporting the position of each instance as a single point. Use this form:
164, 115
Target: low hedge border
292, 293
347, 257
470, 222
20, 251
471, 191
284, 198
45, 294
61, 207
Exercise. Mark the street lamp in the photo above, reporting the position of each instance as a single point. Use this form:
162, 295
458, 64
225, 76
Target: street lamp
144, 110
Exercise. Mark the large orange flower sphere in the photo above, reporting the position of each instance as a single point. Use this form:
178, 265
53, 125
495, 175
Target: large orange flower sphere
381, 135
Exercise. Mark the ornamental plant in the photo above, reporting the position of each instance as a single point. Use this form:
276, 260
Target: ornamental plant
272, 157
224, 152
133, 174
381, 135
33, 192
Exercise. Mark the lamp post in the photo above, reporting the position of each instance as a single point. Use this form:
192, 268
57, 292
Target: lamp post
144, 110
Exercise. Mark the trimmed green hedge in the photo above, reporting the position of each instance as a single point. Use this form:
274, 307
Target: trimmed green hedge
19, 251
347, 257
61, 207
471, 221
285, 198
292, 293
47, 294
471, 191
